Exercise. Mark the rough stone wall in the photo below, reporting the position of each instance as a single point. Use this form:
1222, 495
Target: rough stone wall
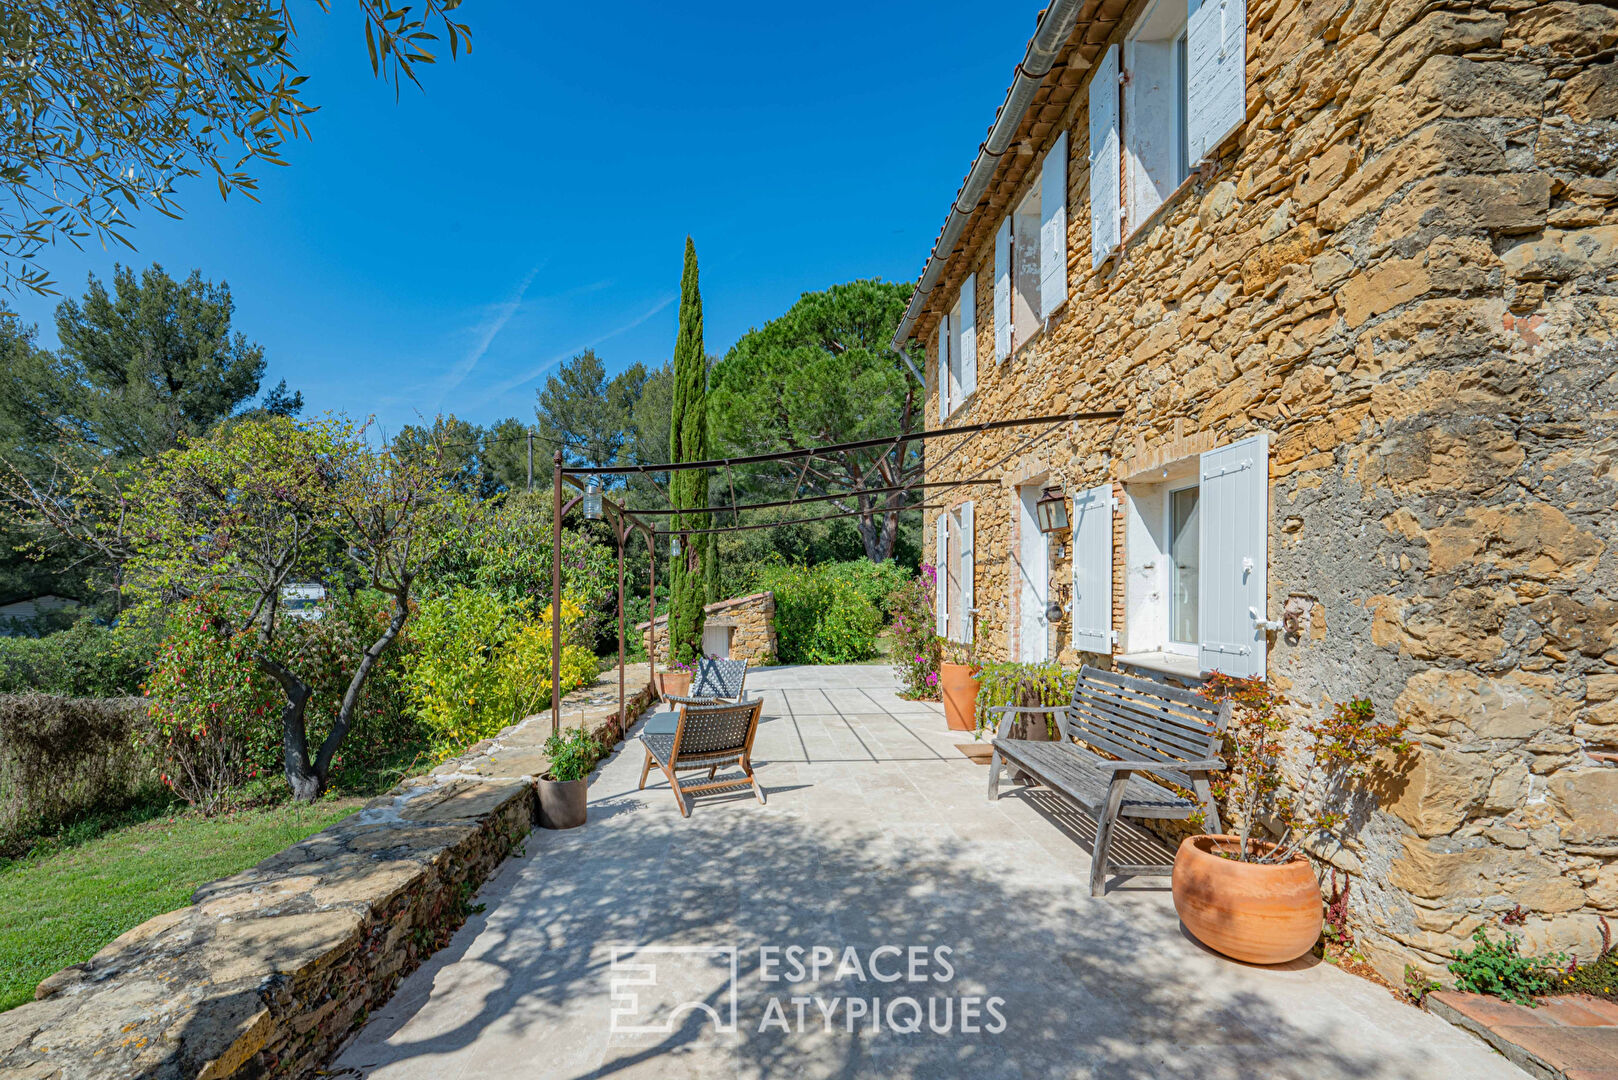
750, 619
269, 970
1402, 267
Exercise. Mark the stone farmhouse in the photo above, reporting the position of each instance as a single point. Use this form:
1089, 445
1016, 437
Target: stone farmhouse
1350, 269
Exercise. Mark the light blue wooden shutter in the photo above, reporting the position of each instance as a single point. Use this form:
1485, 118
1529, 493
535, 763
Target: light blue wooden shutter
969, 335
968, 570
1002, 290
1233, 580
1091, 519
1053, 229
1216, 73
941, 585
1106, 223
943, 367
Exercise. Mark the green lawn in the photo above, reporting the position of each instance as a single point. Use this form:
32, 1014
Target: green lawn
60, 908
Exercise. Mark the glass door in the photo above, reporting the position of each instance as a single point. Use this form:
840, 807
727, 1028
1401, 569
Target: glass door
1185, 538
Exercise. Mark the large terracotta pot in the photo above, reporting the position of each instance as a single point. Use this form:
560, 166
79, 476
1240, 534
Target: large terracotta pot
673, 684
1263, 913
959, 685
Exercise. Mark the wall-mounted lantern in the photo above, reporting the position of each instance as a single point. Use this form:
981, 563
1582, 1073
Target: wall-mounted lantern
592, 501
1051, 510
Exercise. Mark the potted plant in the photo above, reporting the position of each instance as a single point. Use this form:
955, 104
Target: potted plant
674, 680
563, 790
1028, 685
958, 682
1257, 899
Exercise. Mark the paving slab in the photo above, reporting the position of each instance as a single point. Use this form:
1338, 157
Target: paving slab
877, 917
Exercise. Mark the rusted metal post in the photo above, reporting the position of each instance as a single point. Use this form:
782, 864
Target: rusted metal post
651, 613
623, 716
556, 597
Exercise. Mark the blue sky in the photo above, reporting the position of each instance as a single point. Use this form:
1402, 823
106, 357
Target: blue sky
443, 252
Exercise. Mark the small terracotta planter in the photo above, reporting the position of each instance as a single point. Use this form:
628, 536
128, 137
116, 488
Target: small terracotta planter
673, 684
1260, 913
563, 804
959, 685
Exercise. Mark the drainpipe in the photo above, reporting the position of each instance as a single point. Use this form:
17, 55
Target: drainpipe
1055, 27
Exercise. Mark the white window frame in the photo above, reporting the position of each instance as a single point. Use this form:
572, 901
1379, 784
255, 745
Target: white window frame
1155, 138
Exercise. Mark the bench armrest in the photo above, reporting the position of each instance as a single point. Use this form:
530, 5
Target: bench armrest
1201, 765
1008, 713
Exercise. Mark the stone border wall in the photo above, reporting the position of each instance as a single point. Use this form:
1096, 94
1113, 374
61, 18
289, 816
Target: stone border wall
269, 971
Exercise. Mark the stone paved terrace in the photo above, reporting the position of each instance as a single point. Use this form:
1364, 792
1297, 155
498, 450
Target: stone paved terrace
877, 832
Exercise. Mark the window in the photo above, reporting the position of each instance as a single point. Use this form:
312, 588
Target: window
1156, 150
1025, 269
958, 350
1167, 102
1185, 538
1196, 570
1030, 256
953, 592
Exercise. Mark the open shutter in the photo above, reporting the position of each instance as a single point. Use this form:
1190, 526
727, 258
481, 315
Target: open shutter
943, 367
968, 568
1053, 229
941, 584
1092, 570
1106, 225
1233, 580
1002, 290
969, 335
1216, 73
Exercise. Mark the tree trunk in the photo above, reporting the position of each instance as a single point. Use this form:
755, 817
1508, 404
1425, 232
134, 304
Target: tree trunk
306, 781
879, 537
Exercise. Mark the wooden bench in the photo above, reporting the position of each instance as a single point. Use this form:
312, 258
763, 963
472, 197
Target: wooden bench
1172, 734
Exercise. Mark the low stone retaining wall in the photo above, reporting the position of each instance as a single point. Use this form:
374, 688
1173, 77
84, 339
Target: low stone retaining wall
268, 971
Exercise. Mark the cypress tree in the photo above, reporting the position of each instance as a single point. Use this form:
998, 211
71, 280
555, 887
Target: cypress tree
691, 573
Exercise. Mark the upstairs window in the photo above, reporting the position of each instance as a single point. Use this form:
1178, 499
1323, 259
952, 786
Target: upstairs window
1156, 148
1168, 101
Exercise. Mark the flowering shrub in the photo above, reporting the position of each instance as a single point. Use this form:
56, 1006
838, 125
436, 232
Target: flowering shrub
480, 664
915, 646
213, 715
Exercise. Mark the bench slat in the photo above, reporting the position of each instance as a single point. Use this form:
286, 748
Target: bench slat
1062, 767
1200, 721
1148, 687
1129, 721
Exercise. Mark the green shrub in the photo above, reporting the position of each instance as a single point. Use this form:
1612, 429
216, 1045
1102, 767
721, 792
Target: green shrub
480, 663
85, 660
1498, 969
64, 758
1046, 683
824, 614
573, 752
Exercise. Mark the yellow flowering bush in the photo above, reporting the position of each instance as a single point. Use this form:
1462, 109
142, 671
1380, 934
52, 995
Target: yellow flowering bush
481, 663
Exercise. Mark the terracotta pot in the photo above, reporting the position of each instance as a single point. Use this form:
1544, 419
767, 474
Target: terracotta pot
1262, 913
563, 804
673, 684
959, 685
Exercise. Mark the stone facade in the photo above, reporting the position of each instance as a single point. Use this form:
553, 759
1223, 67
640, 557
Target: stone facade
1404, 268
269, 971
747, 621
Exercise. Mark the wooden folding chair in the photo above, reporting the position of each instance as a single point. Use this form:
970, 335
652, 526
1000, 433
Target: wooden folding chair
706, 736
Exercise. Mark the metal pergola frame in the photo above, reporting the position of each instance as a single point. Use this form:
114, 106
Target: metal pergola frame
624, 522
